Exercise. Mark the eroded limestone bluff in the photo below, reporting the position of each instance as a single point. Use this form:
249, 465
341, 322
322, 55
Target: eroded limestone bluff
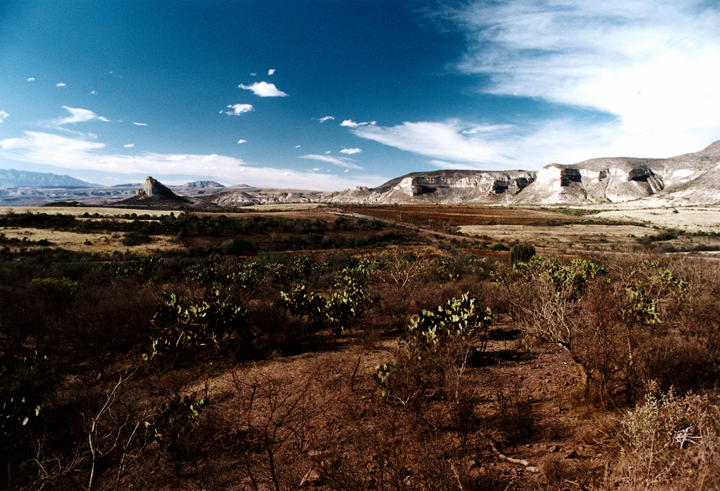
692, 178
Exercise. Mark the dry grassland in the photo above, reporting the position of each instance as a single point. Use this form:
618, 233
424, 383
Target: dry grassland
601, 237
91, 243
695, 219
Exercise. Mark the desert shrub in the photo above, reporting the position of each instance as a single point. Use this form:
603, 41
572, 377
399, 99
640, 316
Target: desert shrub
522, 252
25, 385
240, 246
605, 322
23, 316
184, 322
437, 340
669, 442
500, 247
338, 312
173, 420
136, 238
107, 317
514, 416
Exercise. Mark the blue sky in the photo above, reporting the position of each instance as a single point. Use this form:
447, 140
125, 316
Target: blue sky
330, 94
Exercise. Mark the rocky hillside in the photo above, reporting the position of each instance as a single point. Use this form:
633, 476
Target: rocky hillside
692, 178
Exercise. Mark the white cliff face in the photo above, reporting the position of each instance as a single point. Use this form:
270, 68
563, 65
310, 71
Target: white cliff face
600, 180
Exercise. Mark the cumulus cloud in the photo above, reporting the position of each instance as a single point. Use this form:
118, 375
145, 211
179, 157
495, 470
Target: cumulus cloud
81, 154
238, 109
326, 118
271, 71
78, 115
350, 151
264, 89
242, 141
340, 162
652, 65
129, 145
3, 115
60, 85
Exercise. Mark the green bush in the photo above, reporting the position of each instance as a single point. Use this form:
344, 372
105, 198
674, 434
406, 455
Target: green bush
522, 252
240, 246
499, 247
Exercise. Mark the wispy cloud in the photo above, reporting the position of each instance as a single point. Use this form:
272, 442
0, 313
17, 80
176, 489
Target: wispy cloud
78, 115
129, 145
350, 151
651, 64
340, 162
60, 85
140, 124
242, 141
3, 115
352, 124
238, 109
31, 79
326, 118
264, 89
81, 154
448, 145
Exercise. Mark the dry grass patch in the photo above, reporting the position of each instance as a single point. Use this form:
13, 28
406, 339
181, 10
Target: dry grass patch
89, 242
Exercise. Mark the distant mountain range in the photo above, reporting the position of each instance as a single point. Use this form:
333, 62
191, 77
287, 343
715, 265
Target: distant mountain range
17, 178
688, 179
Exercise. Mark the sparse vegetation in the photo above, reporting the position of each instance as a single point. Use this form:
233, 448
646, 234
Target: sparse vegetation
396, 362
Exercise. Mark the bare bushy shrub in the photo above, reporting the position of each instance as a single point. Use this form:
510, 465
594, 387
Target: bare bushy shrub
669, 442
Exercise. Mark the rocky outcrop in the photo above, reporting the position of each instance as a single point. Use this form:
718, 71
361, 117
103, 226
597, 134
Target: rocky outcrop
444, 186
153, 192
686, 179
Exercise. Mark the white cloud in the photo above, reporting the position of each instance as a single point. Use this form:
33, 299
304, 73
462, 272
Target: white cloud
209, 158
653, 65
264, 89
340, 162
271, 71
140, 124
242, 141
316, 169
326, 118
3, 115
529, 147
79, 154
60, 85
352, 124
328, 152
297, 146
485, 128
129, 145
31, 79
238, 109
350, 151
78, 115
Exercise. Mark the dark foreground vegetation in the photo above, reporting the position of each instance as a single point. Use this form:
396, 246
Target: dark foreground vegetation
406, 367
